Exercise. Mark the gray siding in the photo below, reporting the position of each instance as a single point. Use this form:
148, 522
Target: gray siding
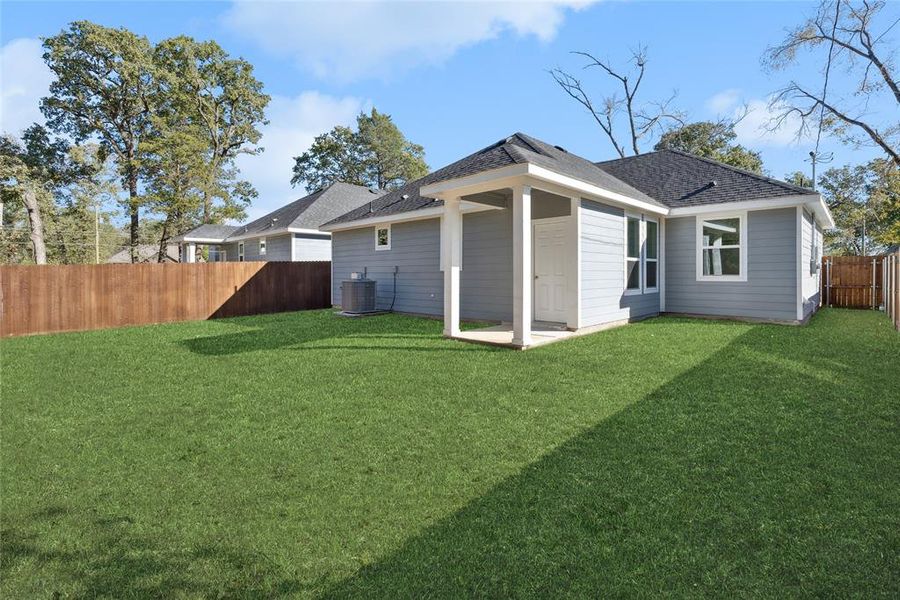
603, 298
770, 291
810, 276
485, 281
278, 248
308, 247
415, 250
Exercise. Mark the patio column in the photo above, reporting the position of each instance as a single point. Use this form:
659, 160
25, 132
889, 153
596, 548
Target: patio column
573, 260
451, 261
189, 252
522, 272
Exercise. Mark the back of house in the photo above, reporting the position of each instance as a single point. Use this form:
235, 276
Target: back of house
523, 231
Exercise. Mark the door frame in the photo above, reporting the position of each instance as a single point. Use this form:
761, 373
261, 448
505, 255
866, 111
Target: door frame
567, 268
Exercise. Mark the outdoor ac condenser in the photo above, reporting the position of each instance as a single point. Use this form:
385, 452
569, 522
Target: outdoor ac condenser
358, 296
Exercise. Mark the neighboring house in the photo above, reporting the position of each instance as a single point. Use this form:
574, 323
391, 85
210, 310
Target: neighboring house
524, 231
147, 253
290, 233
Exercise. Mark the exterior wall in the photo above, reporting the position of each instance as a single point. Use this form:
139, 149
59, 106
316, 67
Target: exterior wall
312, 246
603, 298
770, 291
415, 251
278, 248
485, 281
811, 236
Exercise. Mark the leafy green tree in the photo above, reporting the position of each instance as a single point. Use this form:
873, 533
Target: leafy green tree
865, 203
713, 140
376, 155
104, 87
799, 178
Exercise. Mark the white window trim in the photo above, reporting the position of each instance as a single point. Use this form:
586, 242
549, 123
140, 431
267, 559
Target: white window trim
742, 276
389, 236
263, 247
240, 251
640, 289
654, 289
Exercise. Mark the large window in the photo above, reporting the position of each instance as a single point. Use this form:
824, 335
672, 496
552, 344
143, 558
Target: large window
722, 248
651, 257
633, 254
383, 237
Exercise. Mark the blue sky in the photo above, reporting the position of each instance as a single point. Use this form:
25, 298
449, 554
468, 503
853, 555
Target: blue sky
455, 77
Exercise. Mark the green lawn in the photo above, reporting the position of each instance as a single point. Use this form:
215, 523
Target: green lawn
307, 455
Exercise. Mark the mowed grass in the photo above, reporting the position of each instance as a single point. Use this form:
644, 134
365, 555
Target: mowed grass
306, 455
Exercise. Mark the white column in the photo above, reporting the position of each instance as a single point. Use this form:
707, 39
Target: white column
451, 260
522, 272
573, 262
189, 252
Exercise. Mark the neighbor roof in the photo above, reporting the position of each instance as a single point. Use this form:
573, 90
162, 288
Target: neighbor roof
308, 212
515, 149
680, 179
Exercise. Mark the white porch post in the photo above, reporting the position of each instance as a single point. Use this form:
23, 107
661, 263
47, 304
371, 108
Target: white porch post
522, 272
189, 252
451, 261
573, 260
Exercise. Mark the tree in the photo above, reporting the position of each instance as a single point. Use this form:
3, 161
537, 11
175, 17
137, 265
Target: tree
643, 118
713, 140
376, 155
103, 87
225, 102
853, 40
800, 179
865, 203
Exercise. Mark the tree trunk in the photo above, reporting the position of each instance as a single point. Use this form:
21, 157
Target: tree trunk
133, 206
163, 242
36, 225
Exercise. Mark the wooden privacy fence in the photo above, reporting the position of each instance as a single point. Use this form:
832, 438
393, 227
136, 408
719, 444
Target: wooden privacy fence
891, 301
48, 298
852, 281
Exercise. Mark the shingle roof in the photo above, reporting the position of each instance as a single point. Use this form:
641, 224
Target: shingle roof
679, 179
207, 232
308, 212
515, 149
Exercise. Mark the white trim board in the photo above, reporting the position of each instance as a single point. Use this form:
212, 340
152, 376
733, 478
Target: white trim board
410, 215
813, 202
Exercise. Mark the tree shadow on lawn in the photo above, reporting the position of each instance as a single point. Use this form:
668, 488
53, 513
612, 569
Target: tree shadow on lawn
303, 329
107, 557
770, 469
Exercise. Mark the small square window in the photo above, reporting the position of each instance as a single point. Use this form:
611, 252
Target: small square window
383, 238
262, 246
722, 248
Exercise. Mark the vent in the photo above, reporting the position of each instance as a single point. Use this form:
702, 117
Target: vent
358, 296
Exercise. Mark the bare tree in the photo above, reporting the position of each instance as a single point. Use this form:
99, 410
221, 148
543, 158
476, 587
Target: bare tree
847, 30
643, 118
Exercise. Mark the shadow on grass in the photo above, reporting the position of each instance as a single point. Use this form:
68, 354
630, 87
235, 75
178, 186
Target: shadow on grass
272, 332
112, 560
746, 475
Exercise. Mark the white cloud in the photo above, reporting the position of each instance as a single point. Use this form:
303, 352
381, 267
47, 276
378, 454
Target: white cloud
754, 128
353, 40
24, 80
293, 123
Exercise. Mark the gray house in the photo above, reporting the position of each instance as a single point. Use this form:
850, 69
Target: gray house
549, 243
290, 233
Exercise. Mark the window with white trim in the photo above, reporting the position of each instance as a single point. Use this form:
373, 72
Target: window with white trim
262, 246
722, 248
383, 237
632, 254
240, 251
651, 256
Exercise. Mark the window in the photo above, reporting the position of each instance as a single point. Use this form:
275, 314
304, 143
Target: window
651, 256
241, 251
633, 254
383, 238
722, 248
262, 246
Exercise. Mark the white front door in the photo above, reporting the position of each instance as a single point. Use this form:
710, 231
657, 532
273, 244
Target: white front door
550, 270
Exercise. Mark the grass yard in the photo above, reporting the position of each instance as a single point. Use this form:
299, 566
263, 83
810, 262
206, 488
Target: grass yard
306, 455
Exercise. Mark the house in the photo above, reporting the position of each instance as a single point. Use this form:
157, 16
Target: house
527, 234
290, 233
147, 253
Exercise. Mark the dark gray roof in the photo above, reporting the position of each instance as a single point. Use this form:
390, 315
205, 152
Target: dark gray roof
516, 149
207, 232
678, 179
